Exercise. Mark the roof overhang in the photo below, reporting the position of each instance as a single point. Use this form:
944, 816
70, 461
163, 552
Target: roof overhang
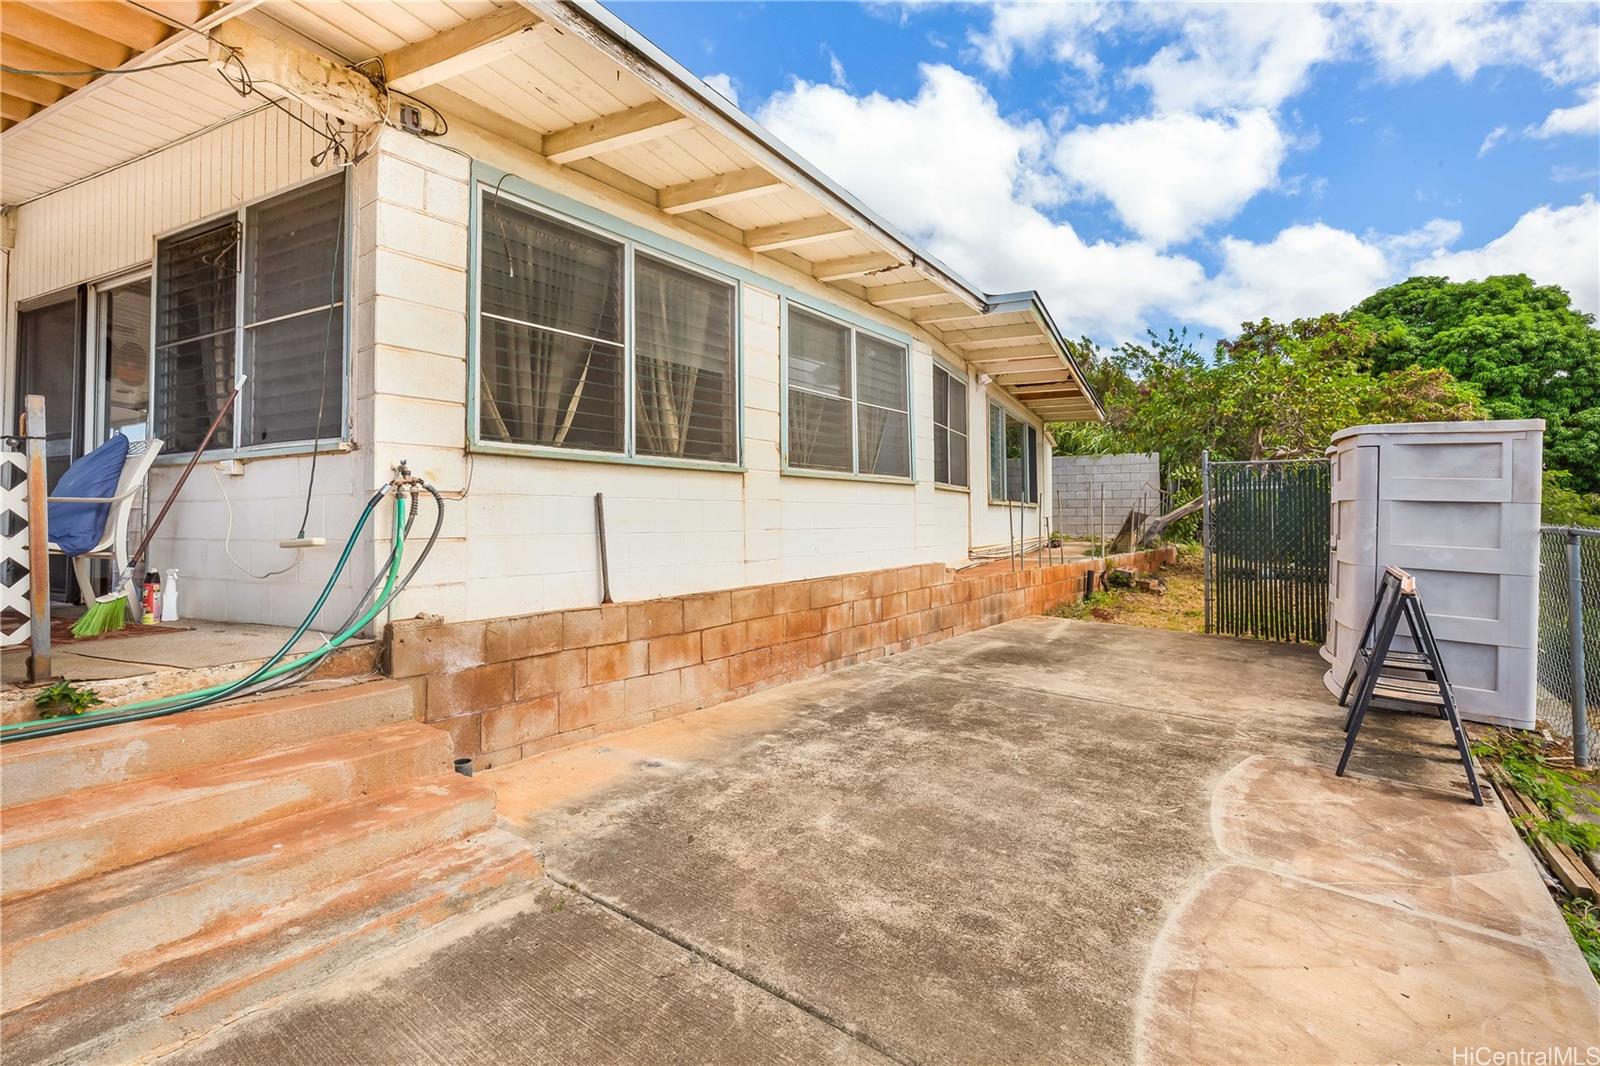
573, 83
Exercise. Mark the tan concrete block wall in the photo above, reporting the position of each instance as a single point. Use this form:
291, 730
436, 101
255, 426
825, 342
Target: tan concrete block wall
513, 687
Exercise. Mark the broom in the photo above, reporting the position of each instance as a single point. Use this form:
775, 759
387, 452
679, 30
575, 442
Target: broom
109, 613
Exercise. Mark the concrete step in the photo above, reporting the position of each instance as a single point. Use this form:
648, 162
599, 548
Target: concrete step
191, 901
32, 770
127, 1016
56, 841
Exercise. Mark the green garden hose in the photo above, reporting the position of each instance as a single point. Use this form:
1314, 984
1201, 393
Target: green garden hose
273, 668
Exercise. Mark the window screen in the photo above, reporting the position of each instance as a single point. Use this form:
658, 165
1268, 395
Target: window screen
684, 402
949, 428
288, 254
551, 348
819, 393
196, 275
1013, 458
294, 316
848, 408
882, 424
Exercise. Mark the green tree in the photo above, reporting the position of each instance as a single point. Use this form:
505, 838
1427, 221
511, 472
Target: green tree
1522, 346
1277, 390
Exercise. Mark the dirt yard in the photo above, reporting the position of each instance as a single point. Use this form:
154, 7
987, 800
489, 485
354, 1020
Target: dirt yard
1181, 609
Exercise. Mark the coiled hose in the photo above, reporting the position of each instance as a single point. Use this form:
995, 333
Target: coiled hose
274, 672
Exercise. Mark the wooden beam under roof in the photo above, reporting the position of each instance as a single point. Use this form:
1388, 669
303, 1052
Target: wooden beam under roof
1038, 363
1033, 377
14, 110
15, 52
184, 13
854, 266
462, 48
1001, 356
904, 292
34, 90
617, 130
1044, 392
790, 234
1031, 390
717, 189
995, 336
932, 316
83, 46
120, 22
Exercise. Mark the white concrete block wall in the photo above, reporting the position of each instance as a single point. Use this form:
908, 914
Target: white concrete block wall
522, 538
1129, 482
108, 225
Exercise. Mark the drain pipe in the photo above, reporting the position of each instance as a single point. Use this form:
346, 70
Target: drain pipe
600, 535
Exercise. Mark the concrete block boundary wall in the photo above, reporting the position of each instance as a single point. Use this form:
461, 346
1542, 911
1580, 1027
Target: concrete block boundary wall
508, 688
1075, 482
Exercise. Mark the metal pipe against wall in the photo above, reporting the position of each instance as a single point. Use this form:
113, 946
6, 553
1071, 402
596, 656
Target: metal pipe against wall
1103, 552
38, 540
600, 535
1580, 683
1205, 530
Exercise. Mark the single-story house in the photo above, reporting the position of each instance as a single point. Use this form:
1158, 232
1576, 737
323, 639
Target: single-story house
517, 247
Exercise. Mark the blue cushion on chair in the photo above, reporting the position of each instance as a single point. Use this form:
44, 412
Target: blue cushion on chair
76, 527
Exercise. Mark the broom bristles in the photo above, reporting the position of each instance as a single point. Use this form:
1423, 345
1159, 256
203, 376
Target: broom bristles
103, 616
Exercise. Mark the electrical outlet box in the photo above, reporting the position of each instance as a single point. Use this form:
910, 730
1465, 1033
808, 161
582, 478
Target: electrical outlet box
231, 467
303, 542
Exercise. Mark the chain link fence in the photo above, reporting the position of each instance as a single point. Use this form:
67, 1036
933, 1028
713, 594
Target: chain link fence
1560, 673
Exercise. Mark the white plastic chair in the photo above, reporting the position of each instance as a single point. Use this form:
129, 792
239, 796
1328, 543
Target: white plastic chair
113, 543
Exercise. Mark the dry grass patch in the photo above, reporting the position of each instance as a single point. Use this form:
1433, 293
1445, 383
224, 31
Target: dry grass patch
1180, 609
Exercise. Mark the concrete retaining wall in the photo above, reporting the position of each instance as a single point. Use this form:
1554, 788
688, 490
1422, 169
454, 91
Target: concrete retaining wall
1076, 482
512, 687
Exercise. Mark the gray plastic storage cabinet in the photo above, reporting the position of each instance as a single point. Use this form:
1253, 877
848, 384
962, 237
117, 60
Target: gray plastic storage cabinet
1457, 505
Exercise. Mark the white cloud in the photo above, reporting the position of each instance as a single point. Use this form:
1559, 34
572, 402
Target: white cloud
950, 170
1065, 31
836, 70
1233, 55
972, 185
1430, 238
1552, 245
1581, 118
1304, 270
1136, 166
1495, 136
1410, 40
725, 85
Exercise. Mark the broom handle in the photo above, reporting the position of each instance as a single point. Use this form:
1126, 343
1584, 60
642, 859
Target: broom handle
144, 544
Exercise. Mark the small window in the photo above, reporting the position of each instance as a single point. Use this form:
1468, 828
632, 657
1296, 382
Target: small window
684, 363
949, 428
1013, 458
848, 405
554, 355
288, 253
552, 347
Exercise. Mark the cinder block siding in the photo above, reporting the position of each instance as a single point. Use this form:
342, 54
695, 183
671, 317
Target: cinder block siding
508, 688
1129, 482
108, 224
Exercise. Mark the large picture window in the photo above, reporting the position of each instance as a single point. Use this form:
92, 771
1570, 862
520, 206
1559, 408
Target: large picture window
556, 354
1013, 458
848, 409
949, 428
259, 294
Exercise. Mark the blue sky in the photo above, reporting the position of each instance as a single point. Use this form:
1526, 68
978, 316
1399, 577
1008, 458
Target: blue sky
1157, 165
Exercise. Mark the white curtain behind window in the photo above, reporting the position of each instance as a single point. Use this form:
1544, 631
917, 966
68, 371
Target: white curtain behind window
684, 363
551, 348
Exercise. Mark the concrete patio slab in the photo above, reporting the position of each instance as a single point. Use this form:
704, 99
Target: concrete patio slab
1049, 841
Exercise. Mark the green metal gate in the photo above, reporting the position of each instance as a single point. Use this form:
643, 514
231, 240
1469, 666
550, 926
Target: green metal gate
1266, 548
